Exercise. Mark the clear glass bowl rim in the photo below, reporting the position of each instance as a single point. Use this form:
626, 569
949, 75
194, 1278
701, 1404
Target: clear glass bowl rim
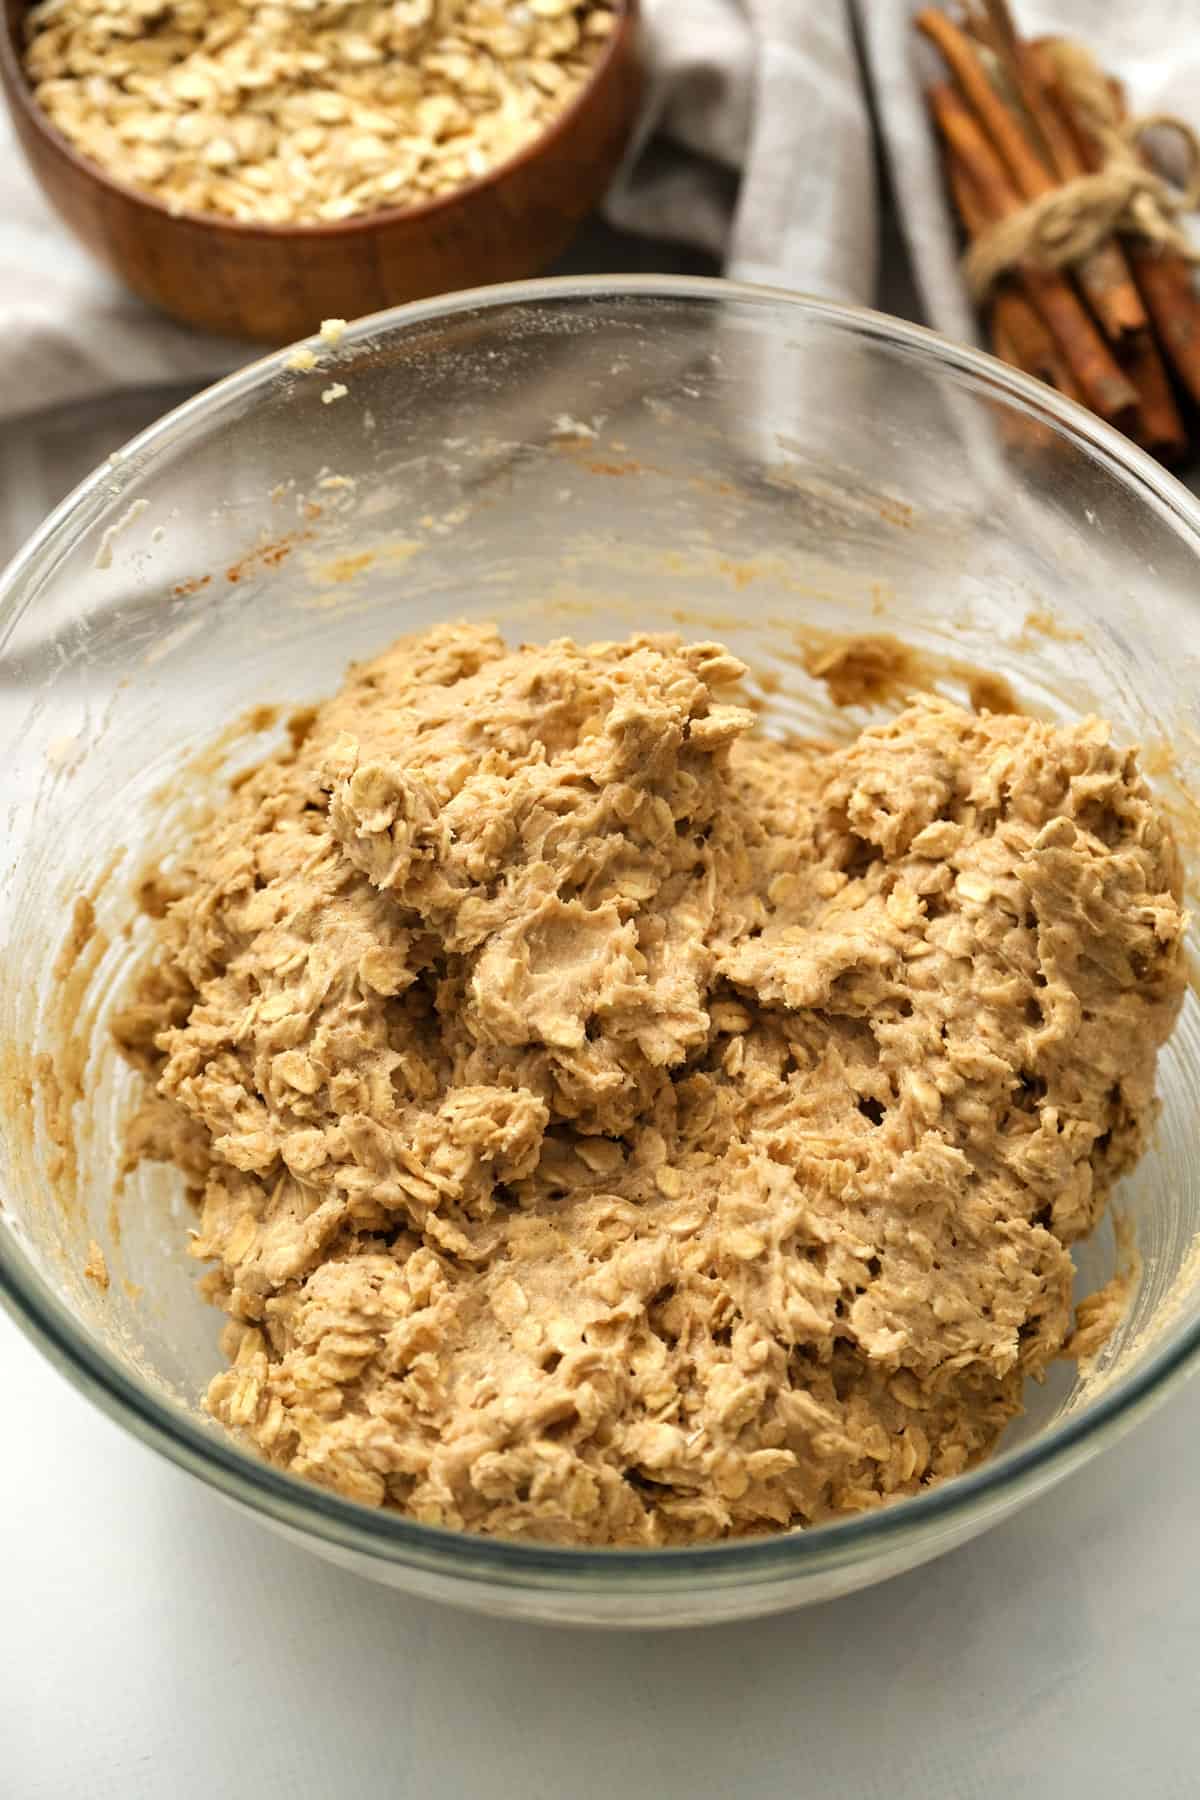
389, 1537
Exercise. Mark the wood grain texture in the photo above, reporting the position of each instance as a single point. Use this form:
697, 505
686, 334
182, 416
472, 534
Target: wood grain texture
274, 283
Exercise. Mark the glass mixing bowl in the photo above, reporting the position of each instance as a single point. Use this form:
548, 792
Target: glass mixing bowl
572, 457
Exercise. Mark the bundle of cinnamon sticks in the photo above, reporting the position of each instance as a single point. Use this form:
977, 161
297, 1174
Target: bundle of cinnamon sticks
1119, 328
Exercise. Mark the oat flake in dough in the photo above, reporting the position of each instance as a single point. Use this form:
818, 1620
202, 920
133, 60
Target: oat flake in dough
614, 1127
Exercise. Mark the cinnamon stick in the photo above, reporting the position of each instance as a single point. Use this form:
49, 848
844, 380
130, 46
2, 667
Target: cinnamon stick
1023, 166
1103, 274
998, 28
1020, 338
1104, 387
1018, 333
1159, 427
1164, 278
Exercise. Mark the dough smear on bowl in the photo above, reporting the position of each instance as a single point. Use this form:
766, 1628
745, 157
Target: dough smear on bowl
613, 1127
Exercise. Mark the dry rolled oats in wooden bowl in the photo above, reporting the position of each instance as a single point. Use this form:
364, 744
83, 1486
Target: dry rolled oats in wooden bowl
255, 167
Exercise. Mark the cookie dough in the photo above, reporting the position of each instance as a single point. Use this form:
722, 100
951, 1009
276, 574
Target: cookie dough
610, 1126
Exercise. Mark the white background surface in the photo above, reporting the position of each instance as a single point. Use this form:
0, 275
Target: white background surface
155, 1645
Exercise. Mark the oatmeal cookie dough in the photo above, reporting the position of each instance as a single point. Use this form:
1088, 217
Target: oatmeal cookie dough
610, 1126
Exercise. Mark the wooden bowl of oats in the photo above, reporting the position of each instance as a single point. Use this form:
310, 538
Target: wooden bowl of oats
253, 171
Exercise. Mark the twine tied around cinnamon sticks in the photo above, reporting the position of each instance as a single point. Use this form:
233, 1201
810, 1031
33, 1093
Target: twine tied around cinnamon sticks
1014, 127
1062, 227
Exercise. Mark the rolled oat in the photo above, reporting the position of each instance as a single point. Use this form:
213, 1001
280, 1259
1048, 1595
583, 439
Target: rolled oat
307, 110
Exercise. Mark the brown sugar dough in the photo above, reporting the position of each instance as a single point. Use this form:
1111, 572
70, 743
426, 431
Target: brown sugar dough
614, 1127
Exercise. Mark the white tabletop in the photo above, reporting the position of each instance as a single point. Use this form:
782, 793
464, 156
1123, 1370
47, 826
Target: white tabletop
155, 1644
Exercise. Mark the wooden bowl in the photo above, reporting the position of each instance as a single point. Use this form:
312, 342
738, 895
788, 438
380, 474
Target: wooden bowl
277, 282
